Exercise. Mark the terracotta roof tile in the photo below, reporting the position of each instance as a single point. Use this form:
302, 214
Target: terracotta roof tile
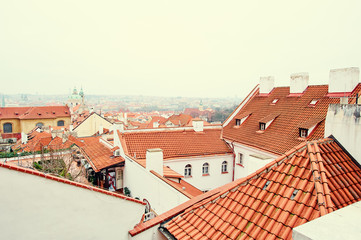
271, 202
294, 112
98, 155
34, 112
174, 143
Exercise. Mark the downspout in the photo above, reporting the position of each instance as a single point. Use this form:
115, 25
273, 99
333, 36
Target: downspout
234, 160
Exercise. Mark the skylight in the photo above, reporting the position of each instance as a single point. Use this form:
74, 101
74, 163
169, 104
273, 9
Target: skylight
275, 101
266, 185
313, 102
294, 194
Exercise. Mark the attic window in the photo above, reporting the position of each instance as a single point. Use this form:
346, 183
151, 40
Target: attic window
262, 126
266, 185
39, 114
16, 113
294, 194
303, 132
53, 112
238, 122
274, 101
313, 102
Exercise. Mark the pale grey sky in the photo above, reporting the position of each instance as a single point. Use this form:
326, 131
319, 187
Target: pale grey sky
172, 48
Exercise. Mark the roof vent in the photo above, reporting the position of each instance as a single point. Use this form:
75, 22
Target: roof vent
39, 114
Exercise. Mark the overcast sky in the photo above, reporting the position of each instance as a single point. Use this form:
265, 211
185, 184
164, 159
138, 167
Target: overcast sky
172, 48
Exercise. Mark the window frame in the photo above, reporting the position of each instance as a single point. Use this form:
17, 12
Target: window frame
241, 159
305, 131
205, 169
8, 124
188, 170
224, 167
59, 122
262, 125
42, 124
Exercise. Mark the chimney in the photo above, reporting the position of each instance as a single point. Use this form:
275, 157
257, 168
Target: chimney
156, 124
126, 118
24, 138
100, 129
299, 82
154, 160
343, 80
197, 125
266, 84
117, 126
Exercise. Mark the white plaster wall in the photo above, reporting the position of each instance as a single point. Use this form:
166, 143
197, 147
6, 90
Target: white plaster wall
144, 184
91, 125
33, 207
344, 123
215, 179
250, 163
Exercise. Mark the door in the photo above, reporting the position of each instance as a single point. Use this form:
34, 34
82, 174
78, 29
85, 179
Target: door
119, 178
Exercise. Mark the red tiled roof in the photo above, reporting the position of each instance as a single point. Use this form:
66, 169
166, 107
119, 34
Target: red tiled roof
66, 181
182, 186
310, 180
98, 155
174, 143
181, 119
34, 112
293, 113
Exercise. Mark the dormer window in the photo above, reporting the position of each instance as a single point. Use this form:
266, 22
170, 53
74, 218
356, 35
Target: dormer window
303, 132
242, 117
274, 101
265, 122
262, 126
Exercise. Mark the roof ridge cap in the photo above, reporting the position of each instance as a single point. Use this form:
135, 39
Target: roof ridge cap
317, 179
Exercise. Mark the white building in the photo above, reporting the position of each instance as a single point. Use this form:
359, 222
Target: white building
272, 120
36, 205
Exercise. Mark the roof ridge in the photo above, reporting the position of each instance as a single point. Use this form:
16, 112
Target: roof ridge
330, 206
317, 179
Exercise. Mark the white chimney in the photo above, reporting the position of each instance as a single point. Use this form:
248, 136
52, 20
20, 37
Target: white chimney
154, 160
197, 125
266, 84
155, 124
126, 118
100, 129
343, 79
299, 82
24, 138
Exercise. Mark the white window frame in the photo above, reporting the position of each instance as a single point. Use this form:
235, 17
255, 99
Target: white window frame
205, 169
303, 132
188, 170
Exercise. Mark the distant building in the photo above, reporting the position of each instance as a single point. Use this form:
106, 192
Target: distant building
15, 120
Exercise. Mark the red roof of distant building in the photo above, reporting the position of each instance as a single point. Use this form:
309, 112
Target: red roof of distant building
180, 120
309, 181
174, 143
34, 112
291, 112
98, 155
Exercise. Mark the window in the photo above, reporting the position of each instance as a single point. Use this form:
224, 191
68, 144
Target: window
262, 126
224, 166
240, 158
8, 128
205, 169
303, 132
61, 123
238, 122
40, 125
274, 101
188, 171
313, 102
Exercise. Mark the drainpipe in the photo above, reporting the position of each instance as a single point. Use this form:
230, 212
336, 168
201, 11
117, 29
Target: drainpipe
234, 160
